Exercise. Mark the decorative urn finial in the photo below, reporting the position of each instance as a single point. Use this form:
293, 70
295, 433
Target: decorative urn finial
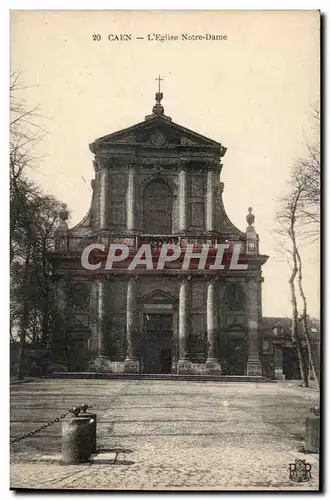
250, 217
61, 238
63, 214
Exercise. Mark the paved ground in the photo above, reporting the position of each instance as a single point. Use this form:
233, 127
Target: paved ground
169, 435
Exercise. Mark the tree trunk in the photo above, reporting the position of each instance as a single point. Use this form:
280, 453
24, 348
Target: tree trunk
45, 308
24, 317
304, 320
295, 333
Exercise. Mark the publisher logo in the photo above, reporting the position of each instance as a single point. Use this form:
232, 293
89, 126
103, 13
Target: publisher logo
300, 471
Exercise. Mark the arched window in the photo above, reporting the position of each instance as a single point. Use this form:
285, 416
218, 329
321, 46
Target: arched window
157, 208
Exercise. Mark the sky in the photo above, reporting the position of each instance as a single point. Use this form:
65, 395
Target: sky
254, 92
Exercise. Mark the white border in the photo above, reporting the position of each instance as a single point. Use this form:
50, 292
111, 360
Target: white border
125, 5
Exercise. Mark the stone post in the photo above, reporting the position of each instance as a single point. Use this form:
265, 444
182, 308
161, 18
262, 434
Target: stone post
184, 363
131, 361
210, 201
254, 367
183, 225
131, 199
278, 361
104, 205
212, 364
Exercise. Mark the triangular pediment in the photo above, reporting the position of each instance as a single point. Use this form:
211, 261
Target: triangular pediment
158, 297
157, 132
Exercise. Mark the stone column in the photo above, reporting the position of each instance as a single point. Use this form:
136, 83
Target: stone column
104, 206
212, 364
131, 361
254, 367
94, 314
183, 215
131, 199
100, 362
210, 201
184, 363
101, 306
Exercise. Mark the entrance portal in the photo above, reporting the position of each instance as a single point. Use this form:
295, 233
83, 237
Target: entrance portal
157, 343
237, 355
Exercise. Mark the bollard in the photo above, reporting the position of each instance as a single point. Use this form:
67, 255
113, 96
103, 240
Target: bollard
312, 432
92, 416
76, 440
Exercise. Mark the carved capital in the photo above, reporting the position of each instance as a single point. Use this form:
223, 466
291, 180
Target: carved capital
183, 163
96, 165
252, 279
211, 279
212, 164
133, 162
184, 278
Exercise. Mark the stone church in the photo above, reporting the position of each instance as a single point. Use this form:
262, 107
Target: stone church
157, 182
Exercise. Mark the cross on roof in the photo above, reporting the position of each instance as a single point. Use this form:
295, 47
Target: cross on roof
159, 80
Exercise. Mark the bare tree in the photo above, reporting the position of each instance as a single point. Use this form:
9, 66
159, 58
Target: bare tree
308, 170
33, 217
25, 133
299, 220
288, 219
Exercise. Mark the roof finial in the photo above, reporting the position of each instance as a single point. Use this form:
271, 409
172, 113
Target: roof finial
158, 108
159, 80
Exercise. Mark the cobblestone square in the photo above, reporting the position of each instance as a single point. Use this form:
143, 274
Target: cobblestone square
165, 435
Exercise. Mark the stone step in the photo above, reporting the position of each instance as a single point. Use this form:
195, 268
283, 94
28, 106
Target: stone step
170, 376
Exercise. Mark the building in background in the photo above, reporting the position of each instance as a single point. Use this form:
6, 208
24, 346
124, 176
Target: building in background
279, 352
157, 182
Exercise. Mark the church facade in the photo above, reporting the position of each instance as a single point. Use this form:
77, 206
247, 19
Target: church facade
157, 183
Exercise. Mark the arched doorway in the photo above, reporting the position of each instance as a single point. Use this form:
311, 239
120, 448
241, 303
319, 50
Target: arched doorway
157, 208
157, 343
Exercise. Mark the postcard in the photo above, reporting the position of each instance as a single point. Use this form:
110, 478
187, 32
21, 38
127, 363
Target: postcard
165, 227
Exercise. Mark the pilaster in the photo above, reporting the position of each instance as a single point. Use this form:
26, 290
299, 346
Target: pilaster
131, 361
59, 341
254, 367
104, 202
210, 201
184, 363
183, 213
131, 199
212, 364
